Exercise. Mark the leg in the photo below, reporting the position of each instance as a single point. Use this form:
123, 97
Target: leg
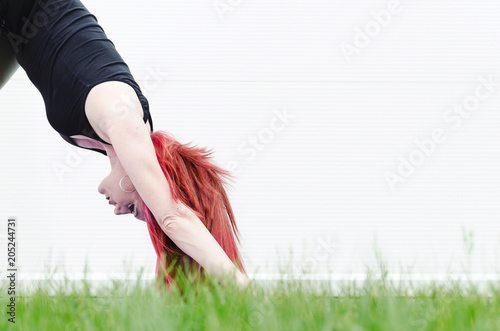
8, 63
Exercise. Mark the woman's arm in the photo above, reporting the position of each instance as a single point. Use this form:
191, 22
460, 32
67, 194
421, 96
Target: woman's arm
115, 112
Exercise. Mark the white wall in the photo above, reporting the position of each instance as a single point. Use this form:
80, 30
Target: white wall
217, 80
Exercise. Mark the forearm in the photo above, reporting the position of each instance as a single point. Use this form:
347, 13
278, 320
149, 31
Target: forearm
136, 153
194, 239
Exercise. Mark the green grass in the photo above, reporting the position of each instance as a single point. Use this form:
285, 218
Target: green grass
375, 304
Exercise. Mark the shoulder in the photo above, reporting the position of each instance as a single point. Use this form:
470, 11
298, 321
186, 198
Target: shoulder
110, 103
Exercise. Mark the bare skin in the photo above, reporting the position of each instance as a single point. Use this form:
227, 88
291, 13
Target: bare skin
125, 202
115, 113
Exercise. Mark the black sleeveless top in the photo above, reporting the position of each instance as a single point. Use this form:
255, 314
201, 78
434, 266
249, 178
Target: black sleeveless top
65, 53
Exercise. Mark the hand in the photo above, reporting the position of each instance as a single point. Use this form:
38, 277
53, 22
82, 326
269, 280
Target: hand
242, 280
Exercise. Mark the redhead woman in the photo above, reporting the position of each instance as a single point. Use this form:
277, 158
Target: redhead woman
93, 102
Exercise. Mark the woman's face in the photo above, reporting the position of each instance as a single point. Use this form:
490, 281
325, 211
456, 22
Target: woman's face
124, 202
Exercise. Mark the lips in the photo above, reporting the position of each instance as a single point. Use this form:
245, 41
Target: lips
137, 213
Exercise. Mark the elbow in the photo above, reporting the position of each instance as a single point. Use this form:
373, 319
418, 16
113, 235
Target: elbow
177, 218
170, 224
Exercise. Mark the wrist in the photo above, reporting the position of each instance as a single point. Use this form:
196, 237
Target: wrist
242, 280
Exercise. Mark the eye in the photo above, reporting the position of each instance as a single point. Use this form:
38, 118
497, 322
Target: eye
131, 208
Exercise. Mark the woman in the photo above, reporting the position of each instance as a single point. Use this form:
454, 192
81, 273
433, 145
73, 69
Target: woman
93, 101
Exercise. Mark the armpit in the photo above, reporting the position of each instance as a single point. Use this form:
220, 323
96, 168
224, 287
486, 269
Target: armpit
87, 142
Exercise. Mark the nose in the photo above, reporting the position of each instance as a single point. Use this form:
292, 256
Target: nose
100, 188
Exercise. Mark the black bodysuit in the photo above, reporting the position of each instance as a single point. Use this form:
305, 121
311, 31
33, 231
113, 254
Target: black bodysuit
65, 53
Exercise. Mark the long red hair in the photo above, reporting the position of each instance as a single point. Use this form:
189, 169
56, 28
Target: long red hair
199, 184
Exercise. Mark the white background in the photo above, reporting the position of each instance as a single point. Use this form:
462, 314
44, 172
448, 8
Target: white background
318, 185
